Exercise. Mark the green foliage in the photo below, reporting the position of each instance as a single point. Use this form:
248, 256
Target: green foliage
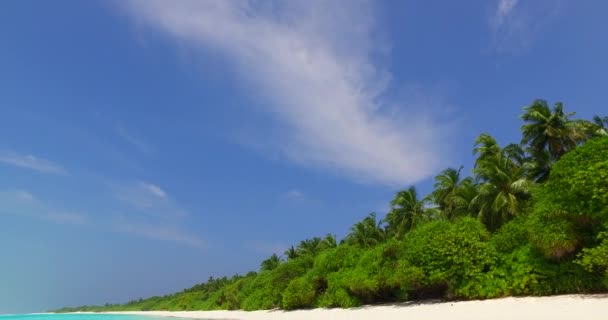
511, 235
579, 181
596, 259
265, 291
407, 212
453, 194
553, 131
503, 187
300, 293
336, 294
366, 233
490, 235
374, 279
574, 202
453, 256
271, 263
598, 127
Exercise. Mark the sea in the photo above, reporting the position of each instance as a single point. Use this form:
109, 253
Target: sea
75, 316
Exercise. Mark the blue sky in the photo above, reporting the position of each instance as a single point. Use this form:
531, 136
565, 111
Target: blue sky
147, 145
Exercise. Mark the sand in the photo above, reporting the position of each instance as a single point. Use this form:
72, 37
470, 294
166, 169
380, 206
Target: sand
584, 307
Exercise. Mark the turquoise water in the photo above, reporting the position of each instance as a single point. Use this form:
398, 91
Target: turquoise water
76, 317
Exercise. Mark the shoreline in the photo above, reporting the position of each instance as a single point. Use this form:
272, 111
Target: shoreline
588, 307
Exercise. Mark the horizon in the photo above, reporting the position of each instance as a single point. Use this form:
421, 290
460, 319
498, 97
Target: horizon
195, 139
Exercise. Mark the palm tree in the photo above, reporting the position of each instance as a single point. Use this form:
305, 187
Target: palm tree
310, 246
271, 263
550, 130
329, 242
291, 253
503, 185
599, 126
538, 165
407, 211
453, 194
366, 233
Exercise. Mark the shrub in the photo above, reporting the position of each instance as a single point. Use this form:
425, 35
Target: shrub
375, 278
454, 258
573, 203
596, 259
512, 235
265, 291
300, 293
337, 294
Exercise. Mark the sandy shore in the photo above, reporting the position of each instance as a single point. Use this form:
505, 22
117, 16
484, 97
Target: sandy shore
587, 307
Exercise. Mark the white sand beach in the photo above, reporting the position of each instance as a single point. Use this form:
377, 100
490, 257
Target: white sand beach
587, 307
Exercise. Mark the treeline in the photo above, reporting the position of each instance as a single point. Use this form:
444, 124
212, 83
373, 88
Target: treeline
532, 219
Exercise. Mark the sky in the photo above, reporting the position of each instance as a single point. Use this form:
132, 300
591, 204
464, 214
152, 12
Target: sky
149, 144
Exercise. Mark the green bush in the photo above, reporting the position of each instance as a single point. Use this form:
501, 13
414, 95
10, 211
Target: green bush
337, 294
375, 277
454, 257
300, 293
579, 180
533, 254
510, 236
596, 259
265, 291
571, 206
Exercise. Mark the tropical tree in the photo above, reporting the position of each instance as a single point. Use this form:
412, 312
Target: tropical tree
310, 246
291, 253
407, 212
538, 165
453, 194
502, 183
329, 242
550, 130
366, 233
599, 126
271, 263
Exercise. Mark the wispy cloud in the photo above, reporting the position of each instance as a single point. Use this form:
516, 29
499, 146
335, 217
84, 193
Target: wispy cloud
160, 232
516, 24
147, 198
134, 140
31, 162
154, 189
505, 8
312, 63
152, 213
25, 203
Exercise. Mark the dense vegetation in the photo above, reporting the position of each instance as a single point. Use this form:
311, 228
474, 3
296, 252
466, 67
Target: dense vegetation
531, 220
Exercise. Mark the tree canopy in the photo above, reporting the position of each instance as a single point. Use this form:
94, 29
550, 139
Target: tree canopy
531, 219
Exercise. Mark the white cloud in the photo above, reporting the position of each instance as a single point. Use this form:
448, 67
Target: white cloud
148, 199
154, 189
151, 212
505, 8
311, 63
25, 203
30, 162
516, 24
